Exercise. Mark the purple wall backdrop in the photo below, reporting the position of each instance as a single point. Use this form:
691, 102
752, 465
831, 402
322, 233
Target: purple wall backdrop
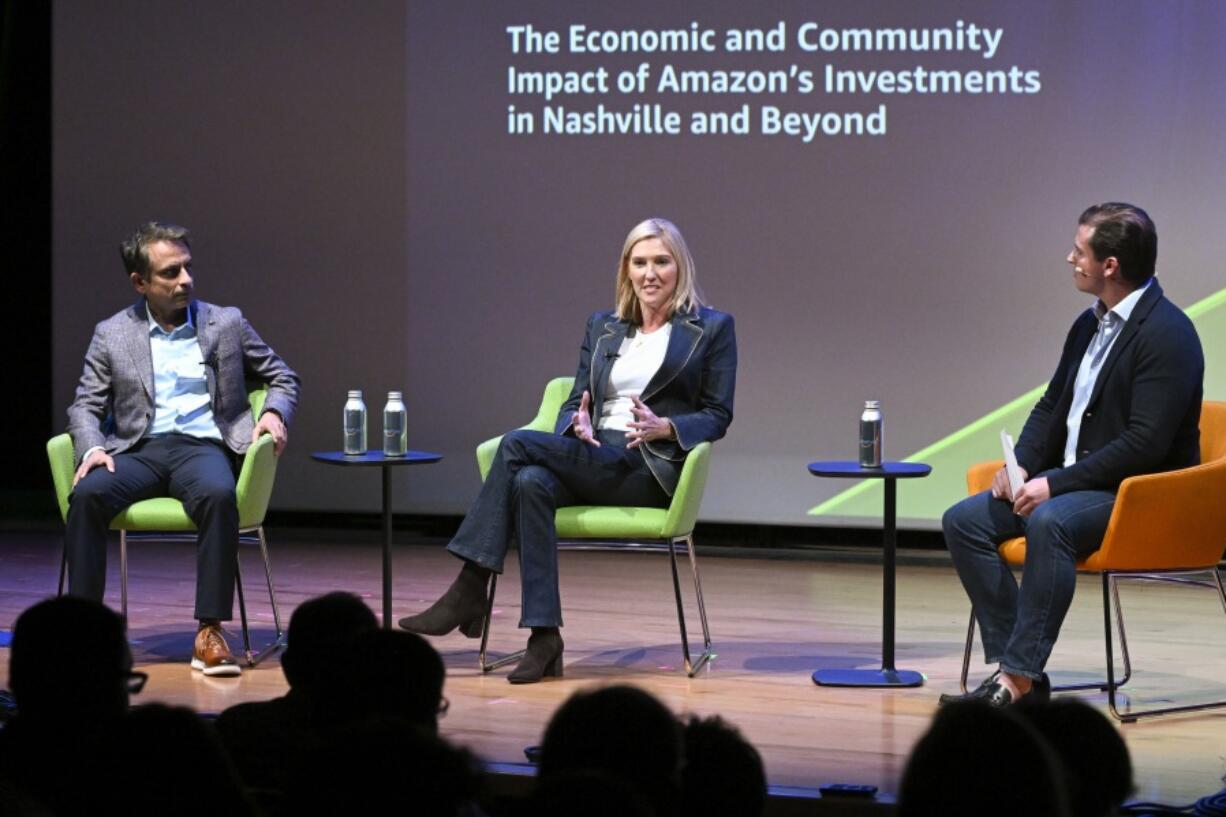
351, 184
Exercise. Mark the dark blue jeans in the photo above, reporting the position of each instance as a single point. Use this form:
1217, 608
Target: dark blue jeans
533, 474
1019, 625
200, 474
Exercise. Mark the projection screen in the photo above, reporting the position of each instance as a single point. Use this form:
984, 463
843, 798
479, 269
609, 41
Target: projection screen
432, 197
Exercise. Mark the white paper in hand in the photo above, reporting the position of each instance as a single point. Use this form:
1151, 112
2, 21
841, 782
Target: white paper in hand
1012, 469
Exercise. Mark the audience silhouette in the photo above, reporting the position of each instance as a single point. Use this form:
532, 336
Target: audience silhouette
1093, 756
623, 732
173, 763
70, 670
384, 767
358, 733
977, 759
265, 739
723, 773
394, 674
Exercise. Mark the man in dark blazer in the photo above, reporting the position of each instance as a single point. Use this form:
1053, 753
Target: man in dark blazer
162, 409
1125, 400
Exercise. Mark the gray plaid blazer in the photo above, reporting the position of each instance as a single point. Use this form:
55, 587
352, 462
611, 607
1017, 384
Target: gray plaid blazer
114, 400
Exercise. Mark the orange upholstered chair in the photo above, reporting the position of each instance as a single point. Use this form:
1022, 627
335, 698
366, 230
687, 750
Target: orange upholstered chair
1163, 526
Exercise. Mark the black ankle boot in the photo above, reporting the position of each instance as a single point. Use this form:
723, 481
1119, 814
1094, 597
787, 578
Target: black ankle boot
543, 658
463, 606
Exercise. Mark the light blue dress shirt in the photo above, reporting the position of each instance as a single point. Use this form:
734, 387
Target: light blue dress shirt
181, 402
1110, 322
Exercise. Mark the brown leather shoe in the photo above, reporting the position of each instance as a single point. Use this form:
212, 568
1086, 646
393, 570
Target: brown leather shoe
211, 654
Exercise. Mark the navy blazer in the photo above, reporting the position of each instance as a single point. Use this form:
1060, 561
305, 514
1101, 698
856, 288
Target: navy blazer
693, 387
1144, 413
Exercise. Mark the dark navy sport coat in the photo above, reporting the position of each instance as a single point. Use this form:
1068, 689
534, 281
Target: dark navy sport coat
1144, 413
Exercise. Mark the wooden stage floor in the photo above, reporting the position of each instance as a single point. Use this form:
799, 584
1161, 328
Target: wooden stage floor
774, 621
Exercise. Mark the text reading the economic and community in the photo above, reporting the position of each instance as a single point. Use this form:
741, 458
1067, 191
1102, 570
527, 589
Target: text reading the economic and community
811, 81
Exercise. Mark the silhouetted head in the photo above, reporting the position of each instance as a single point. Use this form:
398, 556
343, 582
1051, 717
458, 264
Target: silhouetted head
394, 674
622, 731
723, 773
977, 759
70, 661
321, 635
174, 763
1093, 756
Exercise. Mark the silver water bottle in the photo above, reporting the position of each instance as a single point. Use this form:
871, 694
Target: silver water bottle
395, 426
870, 435
355, 423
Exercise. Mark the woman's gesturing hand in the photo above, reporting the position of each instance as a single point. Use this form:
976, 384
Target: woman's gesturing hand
581, 421
647, 426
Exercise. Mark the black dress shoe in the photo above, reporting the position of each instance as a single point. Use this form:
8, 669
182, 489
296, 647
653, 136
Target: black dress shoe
463, 606
978, 692
1039, 693
998, 695
542, 659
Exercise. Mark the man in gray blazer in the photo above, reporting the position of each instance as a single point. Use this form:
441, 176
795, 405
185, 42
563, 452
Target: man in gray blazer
162, 409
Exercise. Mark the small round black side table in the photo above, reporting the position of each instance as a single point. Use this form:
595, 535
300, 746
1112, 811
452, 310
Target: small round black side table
887, 676
381, 460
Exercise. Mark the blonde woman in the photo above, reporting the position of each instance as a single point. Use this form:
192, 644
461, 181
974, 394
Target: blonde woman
656, 377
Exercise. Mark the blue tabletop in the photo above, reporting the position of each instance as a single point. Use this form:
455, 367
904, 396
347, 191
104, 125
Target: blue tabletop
375, 458
852, 469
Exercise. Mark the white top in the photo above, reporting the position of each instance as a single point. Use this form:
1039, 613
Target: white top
638, 359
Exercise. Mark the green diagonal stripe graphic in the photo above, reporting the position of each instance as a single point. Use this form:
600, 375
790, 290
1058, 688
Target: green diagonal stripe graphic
927, 499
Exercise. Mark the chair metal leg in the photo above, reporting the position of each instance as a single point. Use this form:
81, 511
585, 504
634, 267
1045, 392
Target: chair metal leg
702, 605
63, 569
1103, 686
1110, 591
272, 594
691, 667
123, 574
966, 653
490, 587
685, 640
1119, 623
278, 642
1110, 657
242, 608
482, 656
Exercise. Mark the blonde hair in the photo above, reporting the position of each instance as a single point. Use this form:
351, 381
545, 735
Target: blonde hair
686, 298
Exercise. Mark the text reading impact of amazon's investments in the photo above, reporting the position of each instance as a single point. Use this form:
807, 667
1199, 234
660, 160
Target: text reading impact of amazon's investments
797, 80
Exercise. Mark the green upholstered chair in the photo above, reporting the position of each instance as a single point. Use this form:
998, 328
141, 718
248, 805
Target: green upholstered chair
165, 518
599, 527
